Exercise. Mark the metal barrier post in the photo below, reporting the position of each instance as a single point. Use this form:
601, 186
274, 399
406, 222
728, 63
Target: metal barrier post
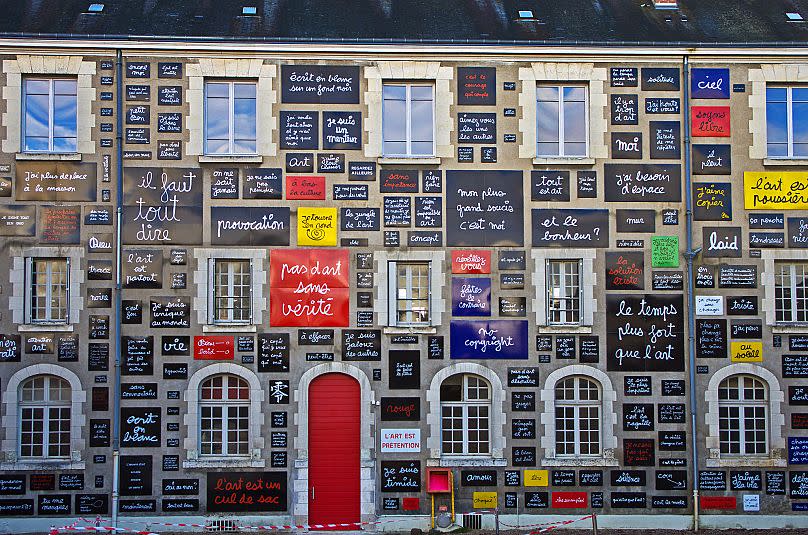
594, 524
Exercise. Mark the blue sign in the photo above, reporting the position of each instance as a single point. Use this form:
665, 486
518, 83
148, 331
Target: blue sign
799, 506
797, 450
494, 339
471, 297
709, 83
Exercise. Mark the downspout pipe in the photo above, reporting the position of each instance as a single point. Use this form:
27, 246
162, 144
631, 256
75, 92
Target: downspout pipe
116, 411
690, 256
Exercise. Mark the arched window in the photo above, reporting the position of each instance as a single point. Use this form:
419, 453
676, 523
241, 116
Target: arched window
743, 416
224, 416
45, 405
465, 401
577, 417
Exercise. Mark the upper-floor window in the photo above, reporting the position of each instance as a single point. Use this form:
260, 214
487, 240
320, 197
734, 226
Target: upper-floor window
232, 295
49, 118
562, 124
409, 291
408, 120
45, 403
465, 401
742, 416
230, 118
563, 292
787, 121
224, 416
48, 299
791, 292
577, 417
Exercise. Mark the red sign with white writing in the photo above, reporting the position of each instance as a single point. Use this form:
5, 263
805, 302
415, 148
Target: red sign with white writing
471, 261
727, 503
569, 500
710, 121
299, 188
213, 348
309, 288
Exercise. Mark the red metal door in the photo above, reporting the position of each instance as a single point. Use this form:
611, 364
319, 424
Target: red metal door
334, 450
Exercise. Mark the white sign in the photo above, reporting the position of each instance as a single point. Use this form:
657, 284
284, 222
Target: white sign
751, 502
709, 305
401, 440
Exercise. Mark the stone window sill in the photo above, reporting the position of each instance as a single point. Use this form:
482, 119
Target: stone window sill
72, 156
784, 162
796, 328
240, 328
204, 464
45, 328
563, 161
467, 461
582, 461
747, 462
408, 161
231, 159
410, 330
43, 465
564, 329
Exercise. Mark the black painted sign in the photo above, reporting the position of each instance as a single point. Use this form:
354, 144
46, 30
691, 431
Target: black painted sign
138, 355
262, 183
401, 409
476, 128
623, 76
319, 84
570, 227
404, 369
249, 226
476, 86
645, 332
637, 385
587, 184
712, 201
363, 171
273, 352
342, 130
636, 220
660, 79
484, 208
665, 140
136, 475
711, 338
744, 276
624, 109
643, 182
169, 95
712, 159
246, 491
550, 186
523, 401
361, 344
401, 476
626, 145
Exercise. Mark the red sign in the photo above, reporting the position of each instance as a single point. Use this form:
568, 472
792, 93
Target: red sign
309, 288
299, 188
727, 503
410, 504
569, 500
471, 261
710, 121
213, 348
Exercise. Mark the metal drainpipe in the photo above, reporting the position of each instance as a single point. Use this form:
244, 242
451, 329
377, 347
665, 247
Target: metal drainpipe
690, 255
116, 415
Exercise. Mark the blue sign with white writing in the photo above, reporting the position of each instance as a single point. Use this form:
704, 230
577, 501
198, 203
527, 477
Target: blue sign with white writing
797, 450
709, 83
494, 339
471, 296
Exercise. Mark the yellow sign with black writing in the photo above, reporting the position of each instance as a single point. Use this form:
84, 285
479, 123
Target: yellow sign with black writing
317, 226
485, 500
537, 478
775, 190
746, 351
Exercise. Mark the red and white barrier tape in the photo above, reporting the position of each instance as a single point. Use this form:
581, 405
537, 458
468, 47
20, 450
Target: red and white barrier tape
558, 525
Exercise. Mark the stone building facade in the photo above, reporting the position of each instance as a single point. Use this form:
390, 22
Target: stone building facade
302, 284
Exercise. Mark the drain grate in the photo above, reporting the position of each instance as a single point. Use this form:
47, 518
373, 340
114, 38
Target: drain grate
221, 526
473, 521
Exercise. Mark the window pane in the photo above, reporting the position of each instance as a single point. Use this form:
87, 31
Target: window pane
215, 89
398, 92
776, 122
422, 121
36, 115
574, 122
420, 92
394, 120
37, 87
547, 93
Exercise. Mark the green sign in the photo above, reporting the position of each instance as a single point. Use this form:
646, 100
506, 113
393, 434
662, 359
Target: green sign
665, 251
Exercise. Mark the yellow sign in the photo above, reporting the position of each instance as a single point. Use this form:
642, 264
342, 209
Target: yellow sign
536, 478
775, 190
485, 500
746, 351
317, 226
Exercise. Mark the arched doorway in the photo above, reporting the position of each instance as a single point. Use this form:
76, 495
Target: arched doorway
334, 422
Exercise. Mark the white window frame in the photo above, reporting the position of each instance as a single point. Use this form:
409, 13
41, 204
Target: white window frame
464, 404
394, 290
51, 115
227, 421
577, 404
776, 420
549, 289
29, 295
214, 287
562, 118
231, 134
408, 119
741, 404
789, 121
191, 420
794, 310
46, 405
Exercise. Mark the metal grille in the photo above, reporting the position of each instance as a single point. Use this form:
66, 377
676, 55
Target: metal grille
221, 526
472, 521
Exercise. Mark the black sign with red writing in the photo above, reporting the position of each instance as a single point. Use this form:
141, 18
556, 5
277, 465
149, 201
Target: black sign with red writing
246, 491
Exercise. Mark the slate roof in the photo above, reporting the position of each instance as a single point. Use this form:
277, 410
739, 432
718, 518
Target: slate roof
731, 22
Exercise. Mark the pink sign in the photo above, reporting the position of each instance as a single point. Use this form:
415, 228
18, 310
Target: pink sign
471, 261
213, 348
710, 121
